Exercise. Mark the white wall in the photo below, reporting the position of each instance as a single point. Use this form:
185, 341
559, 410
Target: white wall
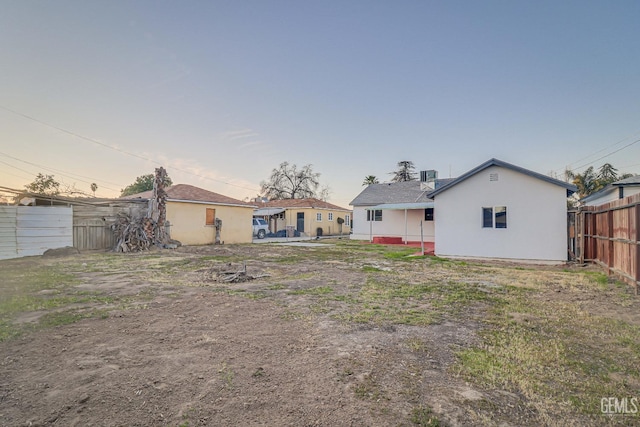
393, 225
536, 218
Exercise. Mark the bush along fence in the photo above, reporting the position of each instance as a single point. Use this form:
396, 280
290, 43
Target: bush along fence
610, 237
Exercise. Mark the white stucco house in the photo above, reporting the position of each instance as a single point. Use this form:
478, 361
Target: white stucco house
395, 210
495, 211
617, 190
502, 211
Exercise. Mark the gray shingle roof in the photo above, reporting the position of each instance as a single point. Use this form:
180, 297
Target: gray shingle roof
633, 180
391, 192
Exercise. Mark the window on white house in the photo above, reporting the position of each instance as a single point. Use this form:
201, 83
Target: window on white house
501, 216
428, 214
494, 217
330, 216
375, 215
319, 217
347, 220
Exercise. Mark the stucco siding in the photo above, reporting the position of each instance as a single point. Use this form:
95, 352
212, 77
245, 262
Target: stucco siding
188, 223
393, 225
311, 224
536, 218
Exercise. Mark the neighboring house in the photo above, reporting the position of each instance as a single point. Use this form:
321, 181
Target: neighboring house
617, 190
499, 210
395, 210
192, 212
310, 216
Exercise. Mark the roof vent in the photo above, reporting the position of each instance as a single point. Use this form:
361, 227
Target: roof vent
493, 177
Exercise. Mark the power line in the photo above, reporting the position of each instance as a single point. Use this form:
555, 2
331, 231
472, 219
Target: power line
67, 174
102, 144
600, 151
607, 155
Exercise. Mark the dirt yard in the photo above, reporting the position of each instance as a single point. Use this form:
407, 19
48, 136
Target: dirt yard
329, 335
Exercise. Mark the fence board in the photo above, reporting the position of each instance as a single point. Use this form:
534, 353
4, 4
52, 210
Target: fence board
611, 237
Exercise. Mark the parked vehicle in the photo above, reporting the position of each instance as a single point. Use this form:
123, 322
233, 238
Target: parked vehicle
260, 228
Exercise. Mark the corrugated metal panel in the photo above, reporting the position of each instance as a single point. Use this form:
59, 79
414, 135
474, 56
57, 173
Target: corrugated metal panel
31, 230
43, 227
8, 240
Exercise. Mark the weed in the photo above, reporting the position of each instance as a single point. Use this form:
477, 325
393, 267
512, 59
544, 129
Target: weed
320, 290
416, 345
423, 416
227, 375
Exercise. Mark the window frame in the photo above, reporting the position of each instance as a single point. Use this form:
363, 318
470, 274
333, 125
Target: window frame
429, 216
494, 217
318, 216
347, 220
372, 215
210, 217
330, 216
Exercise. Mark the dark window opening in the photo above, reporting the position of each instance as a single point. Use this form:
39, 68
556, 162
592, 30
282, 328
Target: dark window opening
487, 217
375, 215
428, 214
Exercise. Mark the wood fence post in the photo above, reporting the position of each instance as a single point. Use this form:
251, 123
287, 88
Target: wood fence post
636, 247
610, 255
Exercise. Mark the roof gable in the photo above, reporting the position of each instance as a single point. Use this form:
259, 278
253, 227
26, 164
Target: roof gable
190, 193
495, 162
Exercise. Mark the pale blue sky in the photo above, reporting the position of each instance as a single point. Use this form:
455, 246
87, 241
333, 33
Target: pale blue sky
230, 89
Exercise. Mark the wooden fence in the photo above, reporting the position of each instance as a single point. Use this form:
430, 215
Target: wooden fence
92, 224
610, 237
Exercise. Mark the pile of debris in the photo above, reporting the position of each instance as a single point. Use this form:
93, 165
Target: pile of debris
139, 234
225, 275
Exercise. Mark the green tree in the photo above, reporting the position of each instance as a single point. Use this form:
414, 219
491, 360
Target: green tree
143, 183
607, 174
587, 182
44, 184
370, 179
289, 182
405, 172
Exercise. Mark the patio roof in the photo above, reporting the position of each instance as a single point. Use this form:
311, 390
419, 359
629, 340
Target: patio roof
267, 211
401, 206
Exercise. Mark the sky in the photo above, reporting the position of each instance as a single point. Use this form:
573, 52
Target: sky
222, 92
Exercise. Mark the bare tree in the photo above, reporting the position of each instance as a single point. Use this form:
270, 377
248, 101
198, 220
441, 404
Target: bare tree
289, 182
324, 193
405, 172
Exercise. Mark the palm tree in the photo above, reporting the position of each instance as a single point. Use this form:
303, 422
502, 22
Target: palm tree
370, 179
587, 182
94, 187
